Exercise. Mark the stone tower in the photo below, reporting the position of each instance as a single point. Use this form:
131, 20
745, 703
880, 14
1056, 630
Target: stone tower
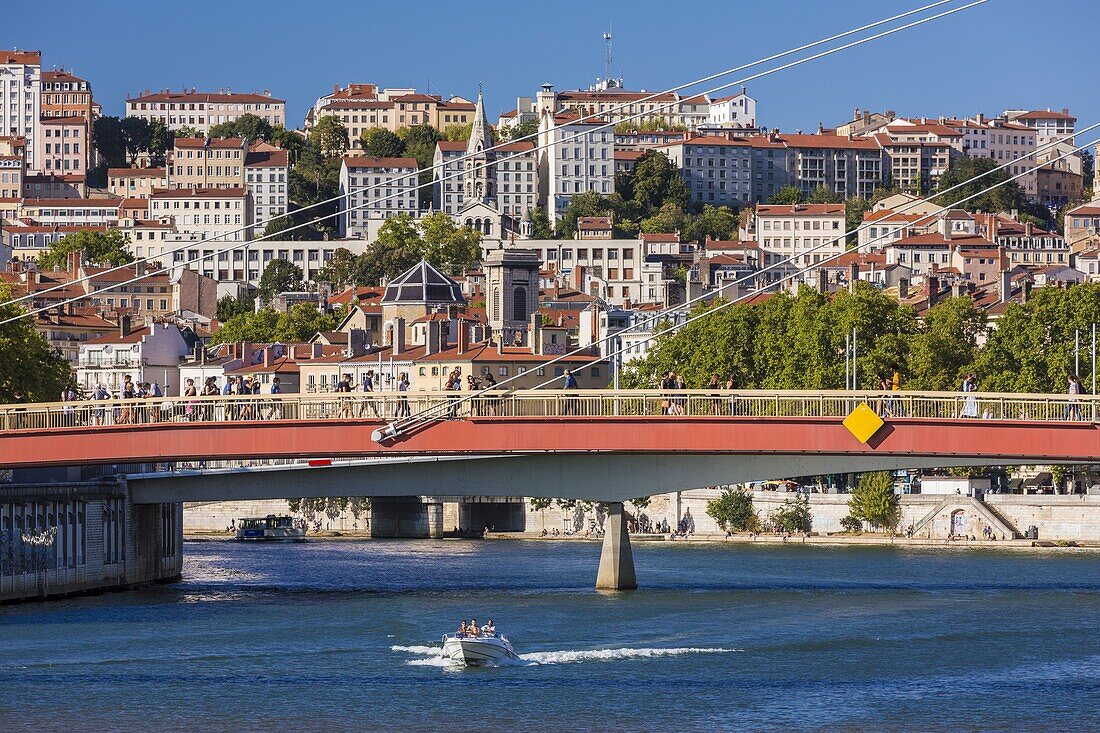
512, 292
478, 176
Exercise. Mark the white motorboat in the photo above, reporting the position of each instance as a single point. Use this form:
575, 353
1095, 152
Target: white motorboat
474, 651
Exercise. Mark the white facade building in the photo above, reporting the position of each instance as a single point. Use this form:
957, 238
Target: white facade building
574, 157
209, 213
203, 110
738, 110
150, 354
21, 99
373, 190
788, 231
266, 172
718, 171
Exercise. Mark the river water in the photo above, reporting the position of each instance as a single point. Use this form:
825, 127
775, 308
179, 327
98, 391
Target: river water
340, 636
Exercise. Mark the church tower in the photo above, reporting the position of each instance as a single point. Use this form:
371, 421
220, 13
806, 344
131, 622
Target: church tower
478, 178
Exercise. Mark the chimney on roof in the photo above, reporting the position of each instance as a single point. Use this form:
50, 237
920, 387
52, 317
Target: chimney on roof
853, 276
269, 356
123, 326
397, 340
335, 88
357, 342
820, 128
1027, 289
431, 342
15, 266
1028, 228
74, 263
317, 349
462, 337
1006, 285
1065, 110
855, 115
823, 280
536, 333
933, 284
903, 288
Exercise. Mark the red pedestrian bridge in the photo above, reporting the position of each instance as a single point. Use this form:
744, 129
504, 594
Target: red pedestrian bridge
802, 430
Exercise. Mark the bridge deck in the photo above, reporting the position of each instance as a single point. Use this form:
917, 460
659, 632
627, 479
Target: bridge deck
1019, 428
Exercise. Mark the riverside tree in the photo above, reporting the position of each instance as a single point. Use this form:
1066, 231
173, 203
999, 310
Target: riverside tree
873, 501
30, 367
733, 510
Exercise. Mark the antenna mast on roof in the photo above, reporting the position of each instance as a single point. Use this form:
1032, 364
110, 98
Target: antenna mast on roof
607, 54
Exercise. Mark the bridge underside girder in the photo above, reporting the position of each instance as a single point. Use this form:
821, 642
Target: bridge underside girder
592, 476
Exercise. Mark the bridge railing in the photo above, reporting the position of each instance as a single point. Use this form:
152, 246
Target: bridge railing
663, 404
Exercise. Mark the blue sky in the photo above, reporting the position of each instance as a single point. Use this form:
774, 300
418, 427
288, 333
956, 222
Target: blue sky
1007, 53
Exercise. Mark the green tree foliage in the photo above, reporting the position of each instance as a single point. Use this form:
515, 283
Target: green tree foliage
715, 222
457, 133
522, 130
108, 140
289, 140
1004, 197
450, 248
854, 209
137, 136
381, 143
160, 139
656, 182
314, 178
787, 195
590, 203
793, 515
540, 223
101, 249
249, 126
299, 323
279, 276
29, 367
651, 124
733, 511
538, 503
420, 142
329, 137
946, 345
785, 342
874, 501
402, 242
339, 271
822, 194
1031, 349
228, 306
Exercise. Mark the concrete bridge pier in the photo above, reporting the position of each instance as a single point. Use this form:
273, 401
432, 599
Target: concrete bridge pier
435, 517
616, 560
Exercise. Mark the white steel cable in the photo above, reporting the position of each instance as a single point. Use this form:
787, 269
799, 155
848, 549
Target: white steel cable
809, 268
395, 428
465, 156
458, 174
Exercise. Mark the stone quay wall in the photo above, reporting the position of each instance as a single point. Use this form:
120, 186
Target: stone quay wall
60, 539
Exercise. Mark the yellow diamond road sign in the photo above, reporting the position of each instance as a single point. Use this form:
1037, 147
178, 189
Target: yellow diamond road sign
863, 423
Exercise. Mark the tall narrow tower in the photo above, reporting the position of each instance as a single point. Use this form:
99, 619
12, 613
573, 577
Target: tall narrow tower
607, 56
477, 177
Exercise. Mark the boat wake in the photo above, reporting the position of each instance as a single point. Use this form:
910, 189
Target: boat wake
430, 655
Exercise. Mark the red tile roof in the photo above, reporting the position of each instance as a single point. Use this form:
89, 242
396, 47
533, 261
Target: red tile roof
800, 209
213, 142
29, 58
62, 76
1040, 114
136, 172
364, 161
452, 146
72, 120
219, 97
208, 193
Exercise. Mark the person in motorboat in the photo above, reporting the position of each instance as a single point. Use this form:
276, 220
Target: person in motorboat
472, 629
489, 629
462, 627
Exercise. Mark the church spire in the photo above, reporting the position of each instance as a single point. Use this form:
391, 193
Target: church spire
479, 131
478, 176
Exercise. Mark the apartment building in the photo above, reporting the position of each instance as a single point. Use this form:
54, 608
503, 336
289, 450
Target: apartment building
574, 157
203, 162
372, 190
1082, 226
717, 170
63, 145
72, 211
21, 99
136, 182
1049, 125
615, 104
66, 95
208, 213
849, 165
735, 110
266, 173
1023, 243
918, 152
786, 232
360, 107
1003, 141
204, 110
611, 269
12, 170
